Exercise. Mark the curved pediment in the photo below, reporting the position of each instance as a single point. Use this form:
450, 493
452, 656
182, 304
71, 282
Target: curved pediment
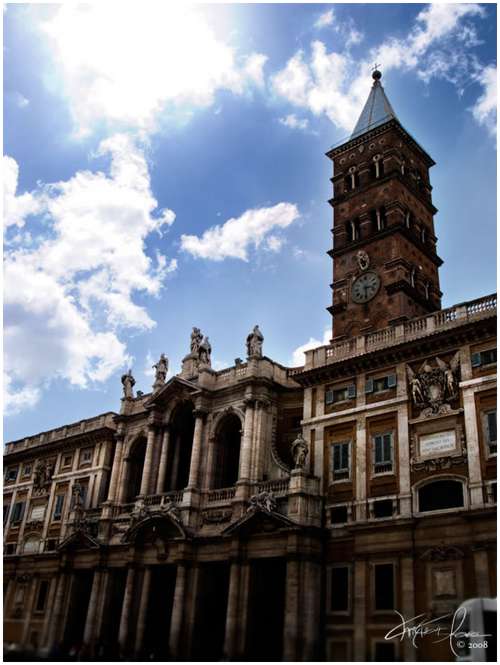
152, 528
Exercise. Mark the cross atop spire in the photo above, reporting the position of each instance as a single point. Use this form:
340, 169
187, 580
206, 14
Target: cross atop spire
377, 109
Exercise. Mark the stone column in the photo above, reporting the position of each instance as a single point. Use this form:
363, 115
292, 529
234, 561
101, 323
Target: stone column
404, 461
126, 609
89, 635
258, 447
360, 601
310, 642
28, 605
482, 573
194, 469
143, 609
319, 457
291, 626
115, 471
176, 623
408, 601
162, 468
473, 451
147, 471
359, 469
56, 630
232, 614
246, 448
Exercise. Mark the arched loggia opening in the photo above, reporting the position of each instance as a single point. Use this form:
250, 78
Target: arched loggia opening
227, 452
135, 468
181, 436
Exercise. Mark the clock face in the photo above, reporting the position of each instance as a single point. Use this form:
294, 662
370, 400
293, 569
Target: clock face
365, 287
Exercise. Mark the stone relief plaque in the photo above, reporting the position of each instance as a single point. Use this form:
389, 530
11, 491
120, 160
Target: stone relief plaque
434, 445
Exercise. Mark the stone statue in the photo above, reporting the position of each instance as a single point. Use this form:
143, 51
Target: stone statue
262, 501
196, 340
161, 368
128, 383
139, 511
42, 474
363, 260
168, 507
300, 450
204, 352
79, 521
433, 385
254, 343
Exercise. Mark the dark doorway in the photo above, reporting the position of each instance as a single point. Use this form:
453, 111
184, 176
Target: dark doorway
181, 436
135, 468
108, 643
227, 452
159, 612
77, 612
211, 609
266, 610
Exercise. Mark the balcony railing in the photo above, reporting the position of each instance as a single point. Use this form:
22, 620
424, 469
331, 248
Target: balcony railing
221, 495
410, 330
277, 487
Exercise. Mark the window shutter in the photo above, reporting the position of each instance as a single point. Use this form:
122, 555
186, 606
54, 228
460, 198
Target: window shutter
392, 381
336, 457
351, 391
387, 447
476, 360
378, 449
369, 386
345, 456
329, 397
492, 427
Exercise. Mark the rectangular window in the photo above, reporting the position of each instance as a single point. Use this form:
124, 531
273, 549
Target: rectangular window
26, 470
383, 452
339, 589
41, 599
380, 384
66, 461
86, 456
6, 509
338, 515
384, 586
484, 358
17, 512
383, 508
50, 545
340, 394
341, 460
11, 474
490, 421
384, 652
58, 506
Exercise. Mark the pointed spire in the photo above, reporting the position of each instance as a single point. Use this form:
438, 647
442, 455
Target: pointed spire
377, 109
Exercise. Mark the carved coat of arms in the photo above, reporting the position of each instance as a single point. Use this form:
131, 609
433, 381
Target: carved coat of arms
434, 385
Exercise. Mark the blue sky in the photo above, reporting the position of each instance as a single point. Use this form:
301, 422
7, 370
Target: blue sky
165, 168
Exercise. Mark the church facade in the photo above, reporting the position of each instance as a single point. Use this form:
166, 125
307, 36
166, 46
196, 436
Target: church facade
264, 512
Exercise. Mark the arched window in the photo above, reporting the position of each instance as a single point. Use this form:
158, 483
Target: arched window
440, 495
227, 444
377, 167
135, 464
408, 219
378, 219
352, 180
181, 444
413, 276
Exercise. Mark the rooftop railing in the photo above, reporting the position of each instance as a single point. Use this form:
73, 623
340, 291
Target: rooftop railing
409, 330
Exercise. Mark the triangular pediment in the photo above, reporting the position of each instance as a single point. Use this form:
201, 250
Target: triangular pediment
79, 540
260, 521
173, 386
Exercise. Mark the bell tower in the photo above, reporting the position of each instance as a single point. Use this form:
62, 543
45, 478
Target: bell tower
385, 265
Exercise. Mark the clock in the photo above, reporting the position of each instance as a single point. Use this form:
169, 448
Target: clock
365, 287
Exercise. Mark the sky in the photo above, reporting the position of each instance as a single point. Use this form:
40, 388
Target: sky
164, 168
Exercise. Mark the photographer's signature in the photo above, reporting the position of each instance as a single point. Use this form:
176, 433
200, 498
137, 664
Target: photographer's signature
420, 626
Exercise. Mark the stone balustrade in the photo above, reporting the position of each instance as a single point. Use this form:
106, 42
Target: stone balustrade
60, 433
224, 494
430, 324
277, 487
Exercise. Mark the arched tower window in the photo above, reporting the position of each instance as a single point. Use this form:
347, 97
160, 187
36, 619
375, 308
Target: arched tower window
377, 166
227, 445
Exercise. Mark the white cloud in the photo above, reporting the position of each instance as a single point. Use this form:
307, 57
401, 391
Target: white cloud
129, 65
16, 208
68, 296
294, 122
298, 357
334, 83
485, 109
21, 101
236, 236
325, 19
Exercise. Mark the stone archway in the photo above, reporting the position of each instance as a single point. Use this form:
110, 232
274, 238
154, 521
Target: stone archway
227, 444
135, 468
181, 438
